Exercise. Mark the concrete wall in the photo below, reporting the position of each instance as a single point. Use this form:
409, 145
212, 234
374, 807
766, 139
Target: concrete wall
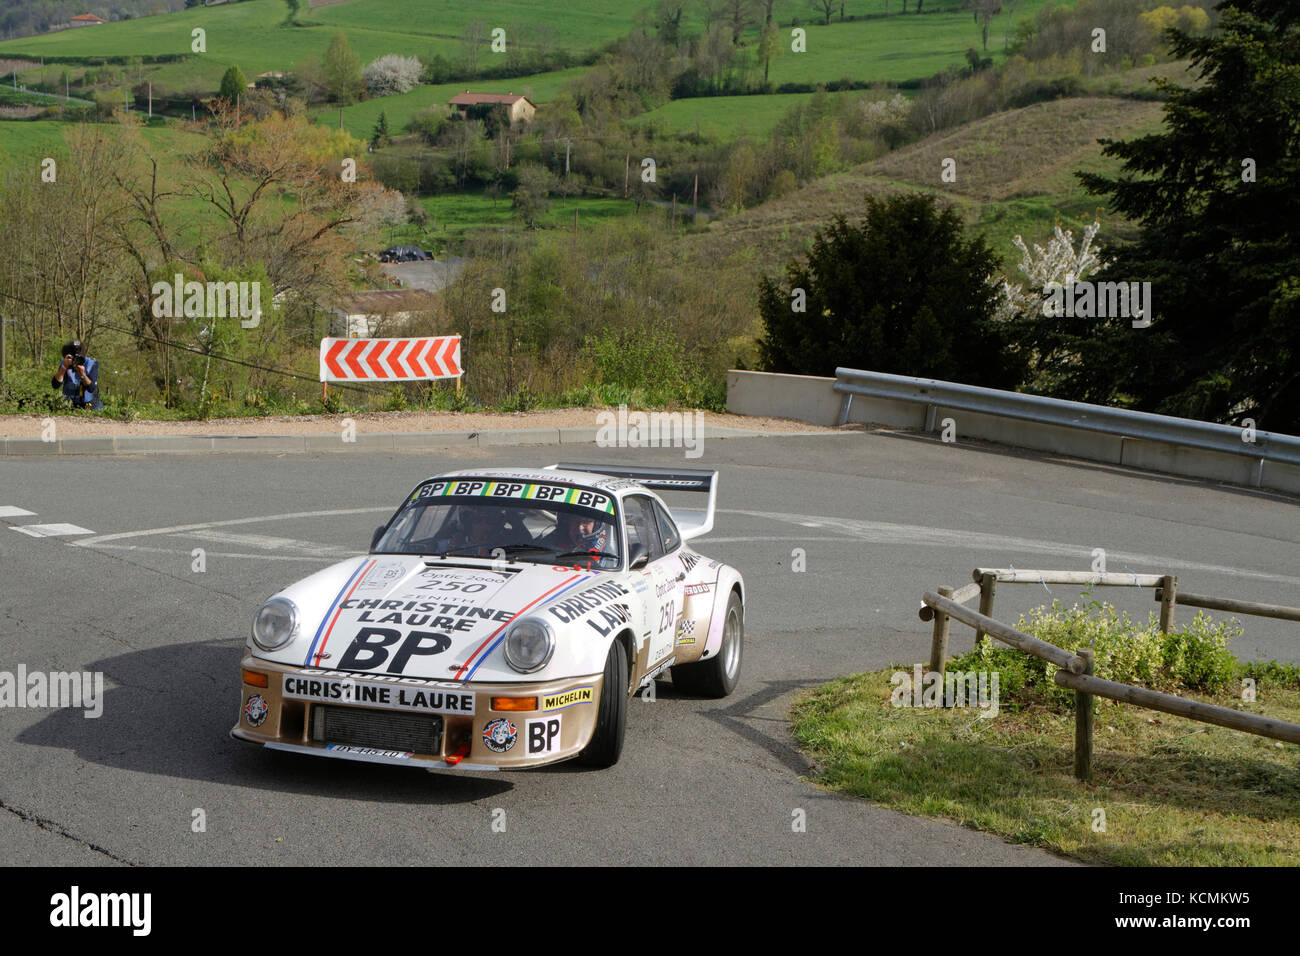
804, 398
811, 399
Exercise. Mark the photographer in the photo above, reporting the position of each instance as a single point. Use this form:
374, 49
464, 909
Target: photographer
78, 376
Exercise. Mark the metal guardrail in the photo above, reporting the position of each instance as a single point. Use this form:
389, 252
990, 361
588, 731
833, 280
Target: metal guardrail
1227, 439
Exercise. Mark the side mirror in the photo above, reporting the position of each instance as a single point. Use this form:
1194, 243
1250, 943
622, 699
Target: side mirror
374, 539
638, 557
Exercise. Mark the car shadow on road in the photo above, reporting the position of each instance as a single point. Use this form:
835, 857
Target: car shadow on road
170, 714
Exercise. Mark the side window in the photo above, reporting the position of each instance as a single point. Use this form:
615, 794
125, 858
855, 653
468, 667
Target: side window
641, 527
667, 530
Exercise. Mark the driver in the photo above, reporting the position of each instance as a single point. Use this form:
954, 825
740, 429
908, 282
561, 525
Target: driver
484, 529
577, 531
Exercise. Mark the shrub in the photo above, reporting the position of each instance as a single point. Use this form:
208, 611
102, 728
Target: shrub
1194, 657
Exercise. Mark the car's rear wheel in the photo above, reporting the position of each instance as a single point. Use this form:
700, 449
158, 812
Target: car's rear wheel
606, 742
717, 676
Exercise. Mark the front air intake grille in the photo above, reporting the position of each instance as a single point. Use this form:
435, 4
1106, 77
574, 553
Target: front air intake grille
381, 729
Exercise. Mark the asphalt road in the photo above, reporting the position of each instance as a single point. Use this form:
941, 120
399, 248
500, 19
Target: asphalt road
880, 517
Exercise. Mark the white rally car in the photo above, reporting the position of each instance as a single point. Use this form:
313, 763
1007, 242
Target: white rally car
502, 619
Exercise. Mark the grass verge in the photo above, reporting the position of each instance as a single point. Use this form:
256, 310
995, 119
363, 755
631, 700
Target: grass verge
1172, 792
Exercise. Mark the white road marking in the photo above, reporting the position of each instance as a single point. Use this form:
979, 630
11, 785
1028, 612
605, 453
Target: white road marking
203, 526
265, 542
219, 554
9, 511
51, 530
883, 532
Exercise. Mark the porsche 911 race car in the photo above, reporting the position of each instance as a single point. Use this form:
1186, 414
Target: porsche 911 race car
502, 619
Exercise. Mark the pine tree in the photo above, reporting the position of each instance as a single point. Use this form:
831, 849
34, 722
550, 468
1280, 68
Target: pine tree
233, 85
380, 136
1215, 195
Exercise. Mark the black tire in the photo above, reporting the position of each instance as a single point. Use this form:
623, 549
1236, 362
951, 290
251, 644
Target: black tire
606, 742
719, 675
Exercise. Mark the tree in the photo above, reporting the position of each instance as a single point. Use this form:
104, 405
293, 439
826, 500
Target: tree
472, 43
342, 72
769, 45
393, 74
1214, 194
739, 14
380, 136
233, 85
985, 11
903, 292
825, 8
294, 6
531, 198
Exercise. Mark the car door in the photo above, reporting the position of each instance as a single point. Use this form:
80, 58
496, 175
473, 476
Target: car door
665, 576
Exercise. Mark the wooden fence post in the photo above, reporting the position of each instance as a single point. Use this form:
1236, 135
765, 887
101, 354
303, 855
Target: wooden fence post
988, 587
939, 641
1083, 708
1168, 601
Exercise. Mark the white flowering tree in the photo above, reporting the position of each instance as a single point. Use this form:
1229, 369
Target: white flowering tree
392, 74
1058, 264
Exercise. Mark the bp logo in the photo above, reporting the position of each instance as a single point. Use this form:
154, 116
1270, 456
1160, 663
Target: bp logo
499, 735
256, 710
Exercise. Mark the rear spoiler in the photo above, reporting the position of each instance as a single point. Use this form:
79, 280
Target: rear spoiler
691, 522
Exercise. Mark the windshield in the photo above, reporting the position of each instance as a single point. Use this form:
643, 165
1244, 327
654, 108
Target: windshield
514, 520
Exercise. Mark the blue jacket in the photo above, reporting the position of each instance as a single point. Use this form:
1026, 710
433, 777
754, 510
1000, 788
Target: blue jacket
72, 385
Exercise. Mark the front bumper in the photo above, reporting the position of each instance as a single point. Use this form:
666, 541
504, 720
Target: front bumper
318, 712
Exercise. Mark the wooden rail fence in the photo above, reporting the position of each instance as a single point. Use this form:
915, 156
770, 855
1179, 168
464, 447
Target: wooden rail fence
1076, 670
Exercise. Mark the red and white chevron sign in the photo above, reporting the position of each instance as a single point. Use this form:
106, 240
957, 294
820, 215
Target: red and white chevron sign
378, 360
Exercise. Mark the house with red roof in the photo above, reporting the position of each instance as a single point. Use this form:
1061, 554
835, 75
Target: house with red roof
85, 20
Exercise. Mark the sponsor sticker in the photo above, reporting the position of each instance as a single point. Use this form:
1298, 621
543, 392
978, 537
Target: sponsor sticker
578, 695
389, 696
686, 632
370, 751
499, 735
698, 589
255, 709
382, 576
543, 735
517, 489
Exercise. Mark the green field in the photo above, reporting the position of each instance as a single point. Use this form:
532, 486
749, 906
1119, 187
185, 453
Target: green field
249, 34
455, 215
891, 49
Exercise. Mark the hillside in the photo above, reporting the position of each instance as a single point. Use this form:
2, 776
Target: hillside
252, 35
1014, 174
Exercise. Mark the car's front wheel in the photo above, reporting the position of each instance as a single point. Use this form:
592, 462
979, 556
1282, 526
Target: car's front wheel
606, 742
717, 676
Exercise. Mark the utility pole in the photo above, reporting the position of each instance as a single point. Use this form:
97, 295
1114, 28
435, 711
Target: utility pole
567, 143
151, 99
627, 168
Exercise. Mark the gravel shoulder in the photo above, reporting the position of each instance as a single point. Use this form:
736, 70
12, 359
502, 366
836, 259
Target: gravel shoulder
77, 426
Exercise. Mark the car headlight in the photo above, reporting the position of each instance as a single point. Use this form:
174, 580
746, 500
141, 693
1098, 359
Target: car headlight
529, 645
275, 623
